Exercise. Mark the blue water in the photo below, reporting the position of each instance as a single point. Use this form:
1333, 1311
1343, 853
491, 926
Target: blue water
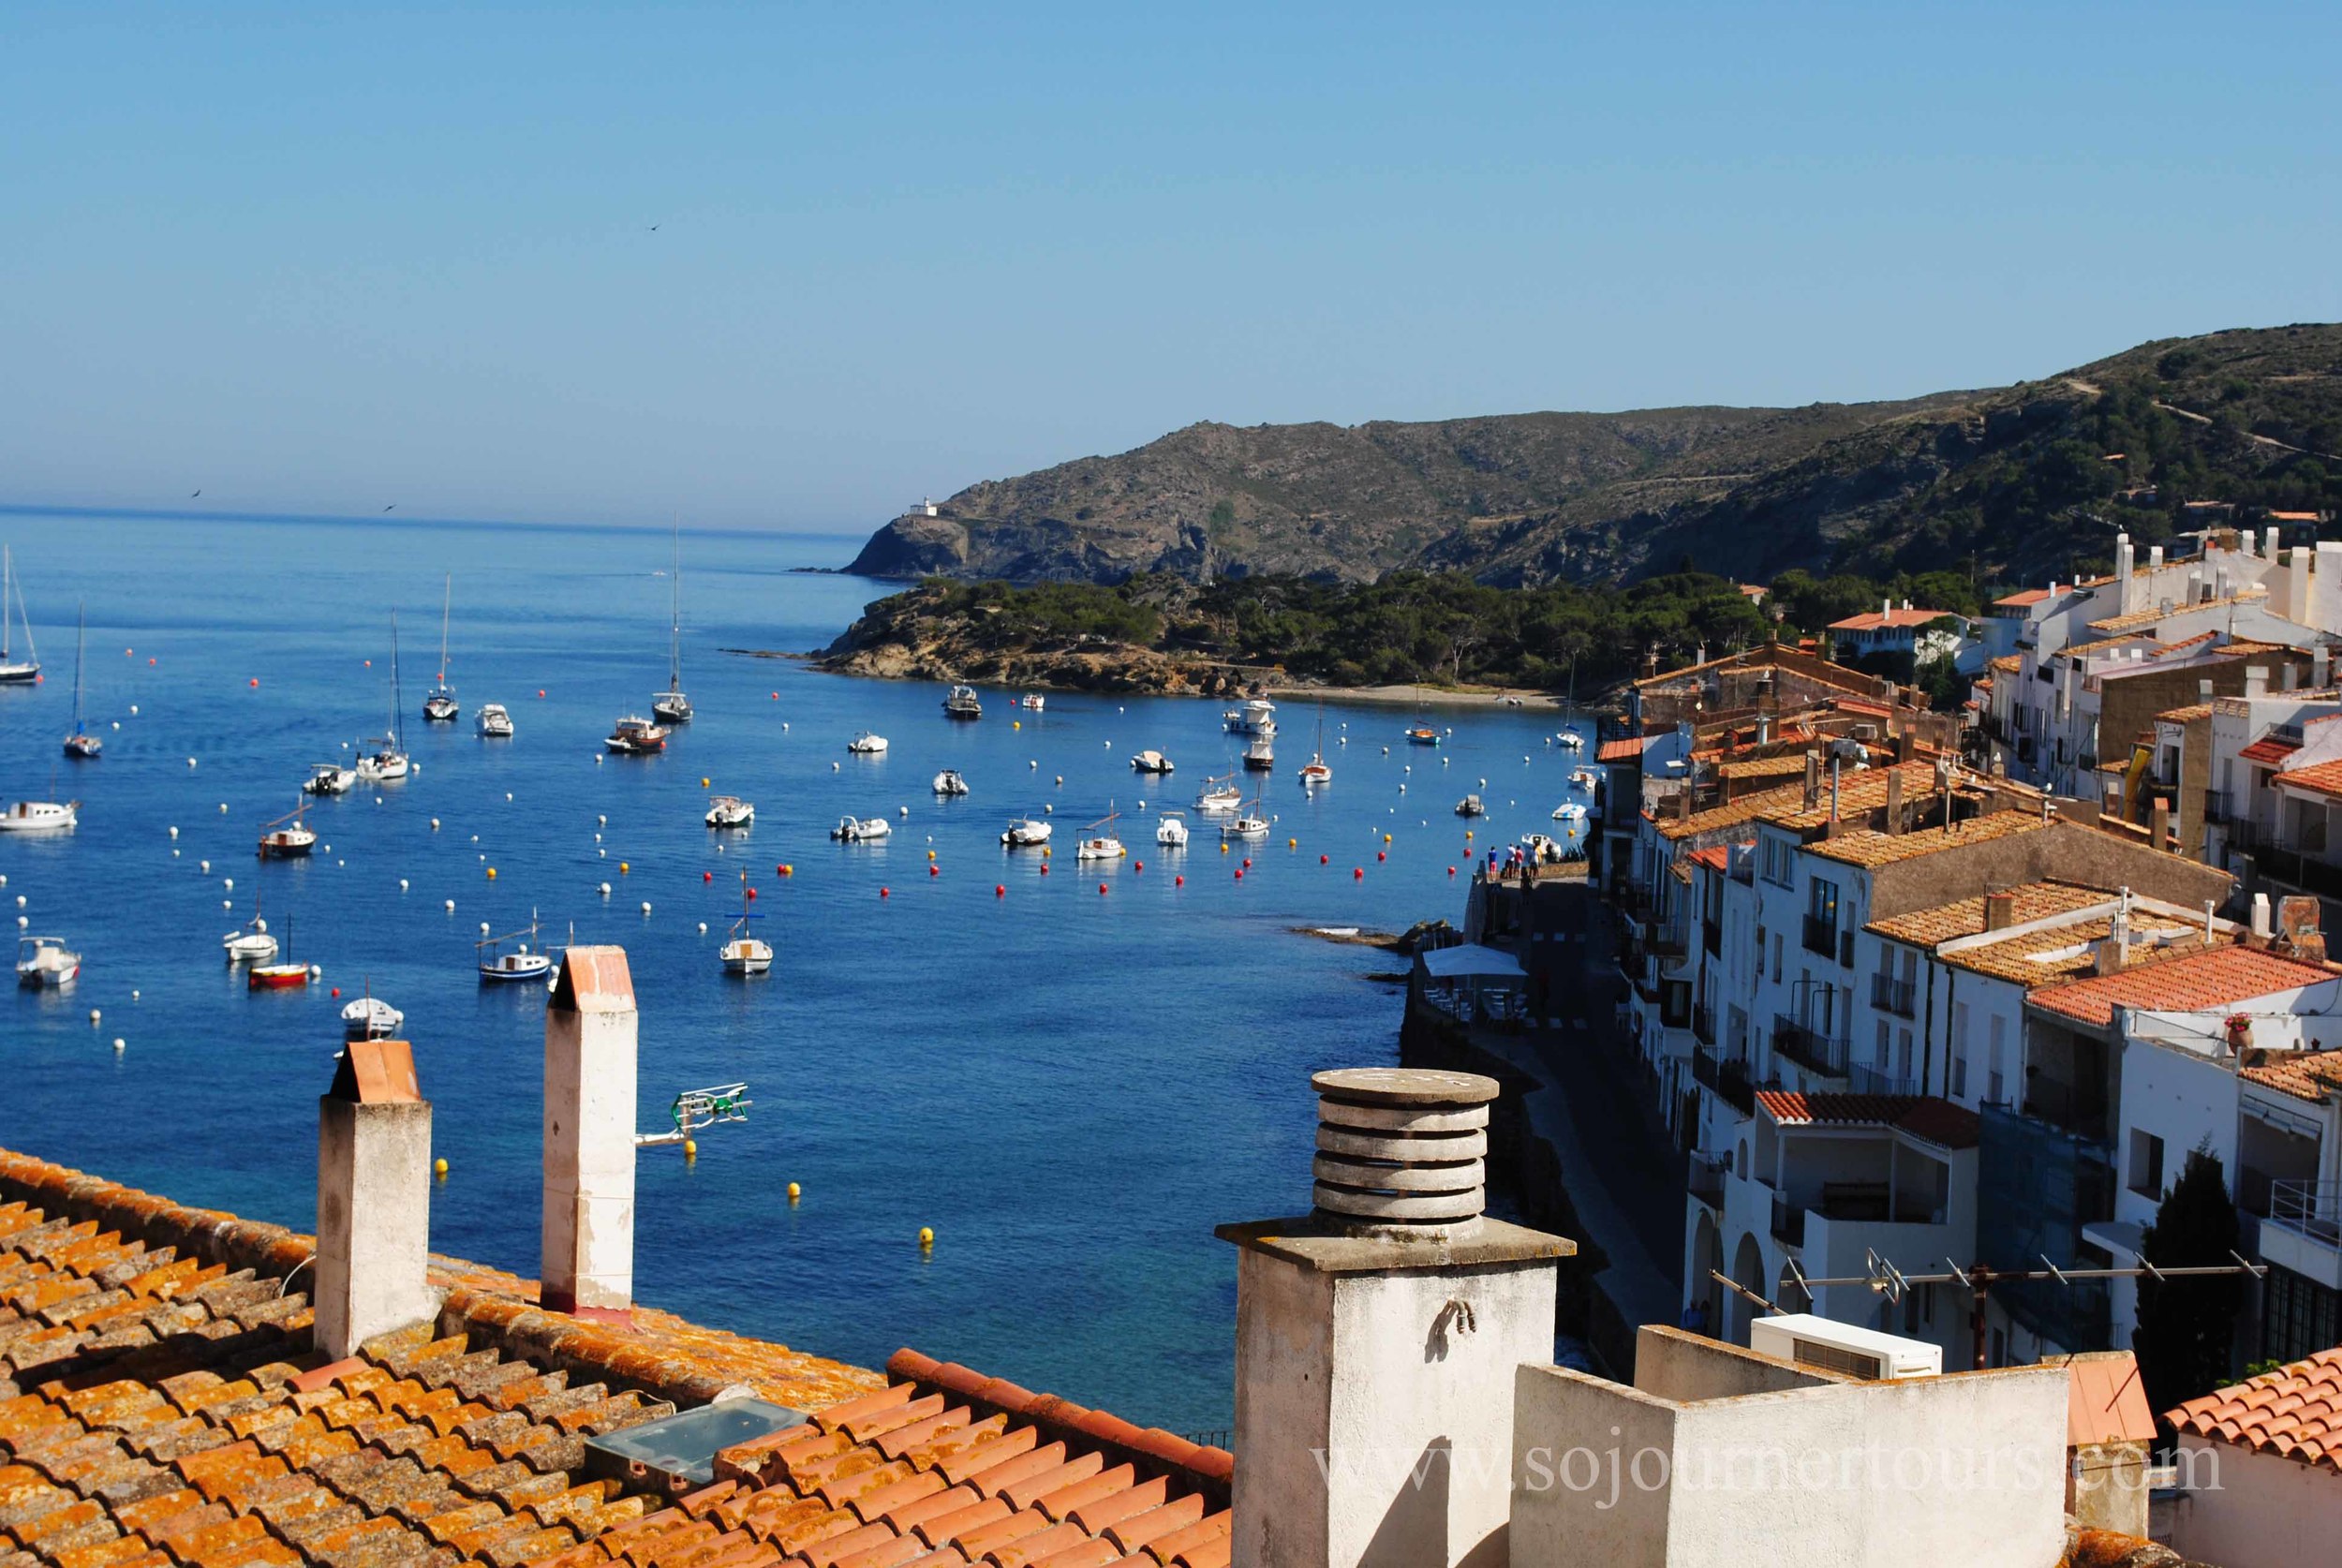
1072, 1089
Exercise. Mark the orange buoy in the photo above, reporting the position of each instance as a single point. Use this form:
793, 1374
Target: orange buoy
541, 691
256, 682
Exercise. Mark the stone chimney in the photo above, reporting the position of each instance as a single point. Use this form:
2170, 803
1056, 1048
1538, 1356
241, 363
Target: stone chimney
2256, 681
1812, 780
2000, 910
2320, 667
2113, 948
1377, 1339
1894, 800
2297, 928
374, 1199
2159, 824
588, 1230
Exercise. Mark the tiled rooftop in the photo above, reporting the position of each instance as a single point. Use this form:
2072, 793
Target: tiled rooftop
2058, 953
1621, 751
1876, 620
2268, 749
2306, 1075
2324, 778
2212, 977
2294, 1412
1922, 1116
2186, 715
163, 1408
1869, 847
2137, 618
1790, 766
1964, 917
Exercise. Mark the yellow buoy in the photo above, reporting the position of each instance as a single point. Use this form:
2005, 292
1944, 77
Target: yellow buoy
703, 783
926, 1236
930, 855
1386, 839
492, 873
1223, 846
1016, 723
1292, 843
690, 1149
624, 868
1467, 833
439, 1168
795, 1191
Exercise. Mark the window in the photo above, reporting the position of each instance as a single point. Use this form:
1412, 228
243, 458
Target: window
1776, 958
1902, 1054
1821, 918
1996, 1082
1959, 1050
2299, 1317
1878, 1057
2146, 1163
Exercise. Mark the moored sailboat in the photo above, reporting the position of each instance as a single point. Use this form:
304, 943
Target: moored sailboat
15, 671
672, 707
441, 707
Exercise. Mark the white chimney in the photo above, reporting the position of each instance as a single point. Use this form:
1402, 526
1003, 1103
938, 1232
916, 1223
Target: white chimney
2320, 667
588, 1234
1377, 1337
374, 1199
2126, 596
2269, 541
2297, 584
2155, 558
2260, 912
2256, 681
2325, 589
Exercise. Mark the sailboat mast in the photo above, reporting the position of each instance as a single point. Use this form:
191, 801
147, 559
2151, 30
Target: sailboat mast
81, 647
446, 601
8, 580
398, 739
675, 615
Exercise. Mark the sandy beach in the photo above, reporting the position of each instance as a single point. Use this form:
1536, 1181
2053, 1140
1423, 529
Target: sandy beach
1419, 696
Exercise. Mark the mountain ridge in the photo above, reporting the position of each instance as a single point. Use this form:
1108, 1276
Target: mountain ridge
2017, 482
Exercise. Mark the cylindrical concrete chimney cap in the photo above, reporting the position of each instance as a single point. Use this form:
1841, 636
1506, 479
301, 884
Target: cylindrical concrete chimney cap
1401, 1149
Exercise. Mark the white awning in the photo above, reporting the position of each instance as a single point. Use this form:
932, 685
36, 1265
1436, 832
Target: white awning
1472, 960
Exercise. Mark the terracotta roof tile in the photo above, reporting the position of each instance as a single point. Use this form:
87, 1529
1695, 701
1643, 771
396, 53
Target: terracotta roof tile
2137, 618
1881, 620
1621, 751
2305, 1074
2211, 976
2294, 1412
2186, 715
2268, 749
1964, 917
2324, 778
1925, 1116
1873, 848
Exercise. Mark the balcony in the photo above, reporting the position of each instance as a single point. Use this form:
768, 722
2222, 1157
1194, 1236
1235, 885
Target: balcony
2306, 872
1706, 1180
1889, 995
1821, 934
1870, 1080
1712, 937
1727, 1077
1808, 1047
1788, 1220
2303, 1232
1704, 1026
2222, 806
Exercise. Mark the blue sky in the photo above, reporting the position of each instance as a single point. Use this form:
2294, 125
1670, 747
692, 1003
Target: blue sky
335, 258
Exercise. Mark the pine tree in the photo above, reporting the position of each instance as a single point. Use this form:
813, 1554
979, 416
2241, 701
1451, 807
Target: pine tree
2188, 1328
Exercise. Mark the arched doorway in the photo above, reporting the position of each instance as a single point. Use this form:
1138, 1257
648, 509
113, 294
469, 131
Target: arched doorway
1748, 1270
1707, 1257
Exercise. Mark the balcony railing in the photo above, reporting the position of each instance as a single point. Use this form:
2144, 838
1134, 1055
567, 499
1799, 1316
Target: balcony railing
2309, 1208
1704, 1024
2221, 805
1712, 937
2306, 872
1870, 1080
1821, 934
1788, 1220
1707, 1178
1806, 1046
1727, 1077
1889, 995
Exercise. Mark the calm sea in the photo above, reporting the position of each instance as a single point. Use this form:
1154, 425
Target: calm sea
1072, 1089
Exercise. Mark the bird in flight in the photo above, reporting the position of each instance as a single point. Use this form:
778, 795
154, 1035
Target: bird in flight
653, 230
192, 497
392, 506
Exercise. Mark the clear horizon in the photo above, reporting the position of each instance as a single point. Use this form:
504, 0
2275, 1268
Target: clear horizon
789, 270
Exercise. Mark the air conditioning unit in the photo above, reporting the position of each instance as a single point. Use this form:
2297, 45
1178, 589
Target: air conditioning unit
1866, 731
1838, 1347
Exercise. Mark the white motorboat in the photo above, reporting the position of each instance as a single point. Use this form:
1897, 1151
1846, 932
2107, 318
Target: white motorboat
493, 722
1252, 719
39, 816
948, 782
15, 671
440, 706
867, 745
45, 963
1171, 832
499, 967
83, 742
371, 1018
1247, 823
1032, 700
328, 778
287, 838
672, 707
1150, 761
743, 952
250, 943
1025, 832
1569, 811
1260, 752
635, 736
730, 811
1470, 807
1572, 741
862, 830
1219, 794
1583, 779
963, 702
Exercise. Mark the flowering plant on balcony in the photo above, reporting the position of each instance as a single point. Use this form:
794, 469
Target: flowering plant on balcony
2240, 1029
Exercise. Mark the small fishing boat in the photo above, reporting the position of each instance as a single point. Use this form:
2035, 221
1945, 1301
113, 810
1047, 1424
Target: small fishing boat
250, 943
730, 811
287, 838
1470, 807
1583, 779
1569, 811
1098, 840
15, 671
440, 706
284, 975
1025, 832
45, 963
1257, 715
388, 760
1150, 761
1171, 832
963, 702
862, 830
1247, 823
1423, 734
1317, 769
1219, 794
1260, 752
1032, 700
1572, 741
499, 967
328, 778
948, 782
80, 743
867, 745
493, 722
371, 1018
636, 737
39, 816
744, 954
672, 707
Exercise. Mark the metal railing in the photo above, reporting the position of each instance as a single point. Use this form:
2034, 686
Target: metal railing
1704, 1024
2308, 1208
1725, 1076
1870, 1080
1821, 934
1706, 1179
2306, 872
1788, 1220
1890, 995
1808, 1047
